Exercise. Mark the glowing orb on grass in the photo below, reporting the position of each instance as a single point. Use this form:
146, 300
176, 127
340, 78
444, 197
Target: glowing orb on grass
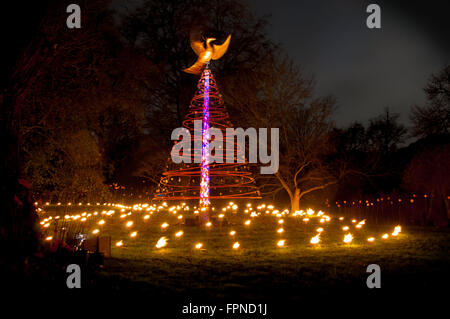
315, 239
162, 242
397, 230
281, 243
129, 224
236, 245
179, 234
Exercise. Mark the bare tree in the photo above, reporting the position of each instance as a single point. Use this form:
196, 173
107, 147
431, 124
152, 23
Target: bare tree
385, 133
278, 95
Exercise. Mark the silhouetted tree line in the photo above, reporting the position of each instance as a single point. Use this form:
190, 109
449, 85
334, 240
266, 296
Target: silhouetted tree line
385, 165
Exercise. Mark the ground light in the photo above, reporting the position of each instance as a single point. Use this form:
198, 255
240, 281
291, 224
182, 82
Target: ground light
111, 220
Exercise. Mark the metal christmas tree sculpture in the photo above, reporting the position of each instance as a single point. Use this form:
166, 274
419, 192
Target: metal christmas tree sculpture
206, 180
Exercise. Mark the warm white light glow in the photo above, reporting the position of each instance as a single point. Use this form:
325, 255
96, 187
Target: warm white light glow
315, 239
397, 230
161, 242
348, 238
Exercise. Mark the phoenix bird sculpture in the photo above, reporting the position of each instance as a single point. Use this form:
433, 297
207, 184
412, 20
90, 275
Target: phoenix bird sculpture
211, 52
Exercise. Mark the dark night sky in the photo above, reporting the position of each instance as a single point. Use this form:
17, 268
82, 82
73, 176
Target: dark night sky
365, 69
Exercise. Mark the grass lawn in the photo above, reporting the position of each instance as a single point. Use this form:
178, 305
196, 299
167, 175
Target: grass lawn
413, 264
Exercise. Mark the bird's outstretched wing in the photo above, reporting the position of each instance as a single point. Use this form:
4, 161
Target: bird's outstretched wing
196, 42
219, 50
196, 68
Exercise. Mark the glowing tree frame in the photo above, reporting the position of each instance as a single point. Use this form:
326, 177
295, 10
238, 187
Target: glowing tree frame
207, 181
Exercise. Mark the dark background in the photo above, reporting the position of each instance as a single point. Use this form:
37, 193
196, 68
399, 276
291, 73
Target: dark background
366, 69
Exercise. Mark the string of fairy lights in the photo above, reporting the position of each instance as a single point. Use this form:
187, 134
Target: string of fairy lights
411, 199
130, 217
204, 182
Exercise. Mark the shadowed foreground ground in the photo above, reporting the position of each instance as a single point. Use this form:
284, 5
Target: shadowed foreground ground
328, 278
414, 275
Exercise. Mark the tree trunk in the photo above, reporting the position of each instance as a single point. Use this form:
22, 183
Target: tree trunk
295, 200
447, 208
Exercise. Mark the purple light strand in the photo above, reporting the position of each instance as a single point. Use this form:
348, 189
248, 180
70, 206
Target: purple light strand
204, 183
